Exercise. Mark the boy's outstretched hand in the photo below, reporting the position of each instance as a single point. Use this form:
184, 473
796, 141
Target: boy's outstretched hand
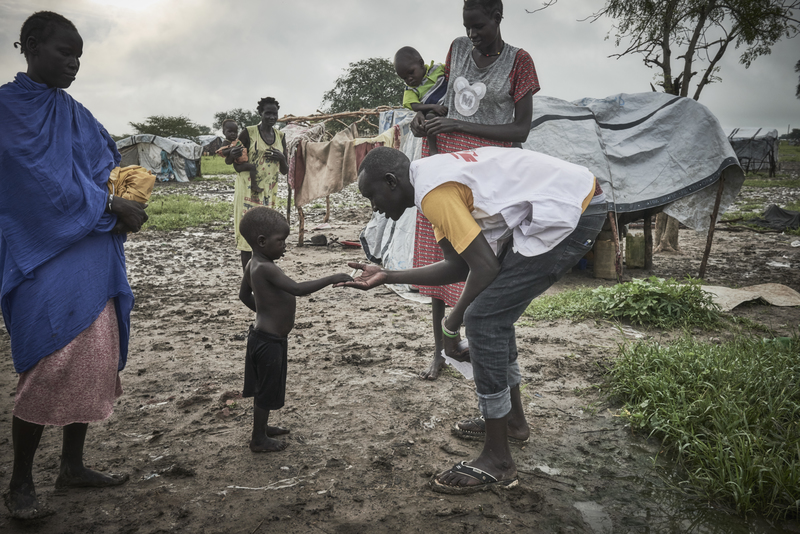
340, 278
372, 276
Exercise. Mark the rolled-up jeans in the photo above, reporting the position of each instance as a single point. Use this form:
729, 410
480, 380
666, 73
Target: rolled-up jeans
490, 319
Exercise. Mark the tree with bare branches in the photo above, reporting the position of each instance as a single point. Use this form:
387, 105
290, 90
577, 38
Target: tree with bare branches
686, 39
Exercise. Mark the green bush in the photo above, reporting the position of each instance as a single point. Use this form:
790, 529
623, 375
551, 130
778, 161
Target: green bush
654, 301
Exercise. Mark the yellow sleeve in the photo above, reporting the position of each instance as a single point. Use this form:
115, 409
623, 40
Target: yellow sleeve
449, 209
589, 197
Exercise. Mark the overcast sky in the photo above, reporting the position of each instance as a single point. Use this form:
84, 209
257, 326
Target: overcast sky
198, 57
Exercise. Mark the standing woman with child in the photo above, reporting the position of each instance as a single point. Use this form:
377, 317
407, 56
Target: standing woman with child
266, 149
64, 292
490, 87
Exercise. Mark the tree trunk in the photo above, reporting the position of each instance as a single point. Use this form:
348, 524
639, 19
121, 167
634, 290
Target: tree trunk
666, 234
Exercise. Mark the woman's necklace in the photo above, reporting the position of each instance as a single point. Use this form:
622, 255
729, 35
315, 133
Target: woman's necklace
493, 54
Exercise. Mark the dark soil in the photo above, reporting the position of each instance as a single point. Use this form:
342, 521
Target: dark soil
366, 433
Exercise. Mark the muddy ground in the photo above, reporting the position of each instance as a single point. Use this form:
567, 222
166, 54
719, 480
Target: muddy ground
366, 433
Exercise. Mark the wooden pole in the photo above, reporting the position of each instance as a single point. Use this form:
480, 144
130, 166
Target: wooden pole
327, 209
301, 232
618, 252
289, 203
711, 229
333, 116
648, 243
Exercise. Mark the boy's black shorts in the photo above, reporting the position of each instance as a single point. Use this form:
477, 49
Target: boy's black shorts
265, 369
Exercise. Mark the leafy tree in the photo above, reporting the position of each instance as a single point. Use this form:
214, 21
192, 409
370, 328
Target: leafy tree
686, 33
797, 69
365, 84
165, 126
242, 117
676, 36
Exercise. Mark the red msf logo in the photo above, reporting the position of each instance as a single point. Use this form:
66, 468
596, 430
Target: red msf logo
470, 156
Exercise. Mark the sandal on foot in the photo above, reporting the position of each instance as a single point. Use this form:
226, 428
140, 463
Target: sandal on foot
480, 435
485, 481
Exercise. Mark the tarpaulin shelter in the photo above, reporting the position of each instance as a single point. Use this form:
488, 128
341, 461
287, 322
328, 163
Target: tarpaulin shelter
756, 148
169, 158
211, 143
650, 152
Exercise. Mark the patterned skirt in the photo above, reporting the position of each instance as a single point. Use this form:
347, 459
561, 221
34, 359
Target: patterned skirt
78, 383
426, 252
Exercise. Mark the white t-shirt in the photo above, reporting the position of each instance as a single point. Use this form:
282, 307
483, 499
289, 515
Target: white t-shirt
534, 197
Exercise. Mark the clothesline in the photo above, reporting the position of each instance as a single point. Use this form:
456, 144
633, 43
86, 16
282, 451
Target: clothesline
324, 117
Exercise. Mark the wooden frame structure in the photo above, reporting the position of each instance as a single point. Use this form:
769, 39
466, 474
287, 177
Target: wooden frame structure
362, 116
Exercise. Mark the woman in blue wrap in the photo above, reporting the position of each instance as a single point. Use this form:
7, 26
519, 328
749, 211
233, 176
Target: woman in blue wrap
64, 293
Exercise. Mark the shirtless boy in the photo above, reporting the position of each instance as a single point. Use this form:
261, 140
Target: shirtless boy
271, 294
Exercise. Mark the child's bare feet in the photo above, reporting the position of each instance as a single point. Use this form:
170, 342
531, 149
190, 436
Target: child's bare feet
267, 445
276, 431
433, 371
87, 478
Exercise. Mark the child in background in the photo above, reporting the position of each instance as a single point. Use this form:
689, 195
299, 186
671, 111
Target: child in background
271, 294
426, 85
230, 129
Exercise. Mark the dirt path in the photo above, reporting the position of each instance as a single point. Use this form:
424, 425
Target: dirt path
366, 433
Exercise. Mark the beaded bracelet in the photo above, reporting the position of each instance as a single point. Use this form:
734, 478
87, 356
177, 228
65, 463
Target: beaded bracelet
448, 333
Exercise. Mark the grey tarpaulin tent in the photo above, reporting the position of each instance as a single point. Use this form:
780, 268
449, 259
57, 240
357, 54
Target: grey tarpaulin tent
169, 158
211, 143
650, 152
756, 148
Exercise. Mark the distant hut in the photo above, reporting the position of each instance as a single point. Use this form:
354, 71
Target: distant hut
756, 148
169, 158
211, 143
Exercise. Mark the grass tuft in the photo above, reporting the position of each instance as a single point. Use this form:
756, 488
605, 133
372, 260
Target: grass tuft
730, 412
176, 212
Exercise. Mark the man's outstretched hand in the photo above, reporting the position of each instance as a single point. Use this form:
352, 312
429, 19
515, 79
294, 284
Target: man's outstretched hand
371, 276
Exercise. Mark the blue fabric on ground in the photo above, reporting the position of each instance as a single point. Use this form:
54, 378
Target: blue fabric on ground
59, 261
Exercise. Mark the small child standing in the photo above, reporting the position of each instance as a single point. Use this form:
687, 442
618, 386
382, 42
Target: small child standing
230, 129
271, 294
426, 85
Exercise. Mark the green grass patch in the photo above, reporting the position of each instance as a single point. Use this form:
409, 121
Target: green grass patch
652, 301
176, 212
215, 165
730, 413
758, 182
787, 152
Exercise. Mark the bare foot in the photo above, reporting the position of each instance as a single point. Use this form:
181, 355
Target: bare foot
276, 431
267, 445
22, 503
255, 189
433, 371
88, 478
